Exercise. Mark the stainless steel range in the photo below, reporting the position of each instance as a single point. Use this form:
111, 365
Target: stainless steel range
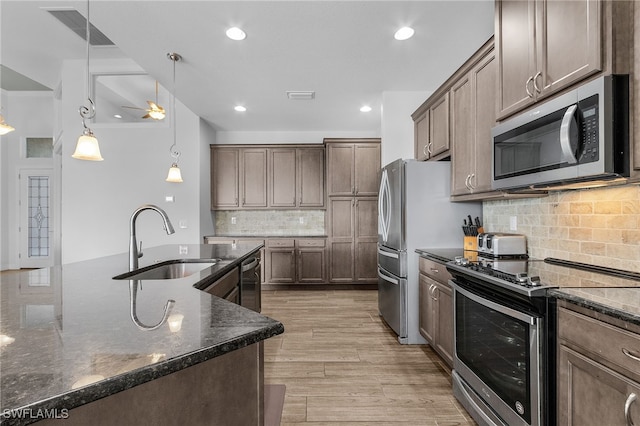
504, 350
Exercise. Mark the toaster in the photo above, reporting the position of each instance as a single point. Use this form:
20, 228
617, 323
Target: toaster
502, 244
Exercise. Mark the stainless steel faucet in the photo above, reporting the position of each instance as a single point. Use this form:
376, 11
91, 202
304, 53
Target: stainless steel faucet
134, 253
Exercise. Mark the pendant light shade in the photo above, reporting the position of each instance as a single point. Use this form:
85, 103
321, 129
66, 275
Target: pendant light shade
4, 127
87, 147
174, 174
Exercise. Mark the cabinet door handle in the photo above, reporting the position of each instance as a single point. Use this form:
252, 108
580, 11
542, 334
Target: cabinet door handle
630, 354
535, 84
435, 289
467, 182
356, 190
526, 87
429, 148
424, 150
627, 408
471, 185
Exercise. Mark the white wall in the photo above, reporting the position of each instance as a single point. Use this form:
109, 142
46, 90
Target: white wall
30, 113
207, 218
397, 124
99, 197
4, 224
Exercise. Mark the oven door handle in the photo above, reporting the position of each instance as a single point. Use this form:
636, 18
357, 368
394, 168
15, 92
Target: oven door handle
495, 306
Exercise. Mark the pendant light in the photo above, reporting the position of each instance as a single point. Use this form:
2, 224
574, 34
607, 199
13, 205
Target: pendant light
87, 147
174, 172
4, 127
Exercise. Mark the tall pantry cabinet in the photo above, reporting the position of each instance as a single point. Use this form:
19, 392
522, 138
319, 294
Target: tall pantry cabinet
353, 173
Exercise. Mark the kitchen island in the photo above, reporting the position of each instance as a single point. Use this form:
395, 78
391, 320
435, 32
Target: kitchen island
78, 345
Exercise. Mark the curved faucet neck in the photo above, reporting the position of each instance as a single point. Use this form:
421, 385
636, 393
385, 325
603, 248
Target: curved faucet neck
134, 254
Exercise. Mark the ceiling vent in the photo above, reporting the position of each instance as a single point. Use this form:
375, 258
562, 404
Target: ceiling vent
301, 95
77, 23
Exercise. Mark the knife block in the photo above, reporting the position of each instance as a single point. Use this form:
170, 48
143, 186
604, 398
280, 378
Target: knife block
470, 243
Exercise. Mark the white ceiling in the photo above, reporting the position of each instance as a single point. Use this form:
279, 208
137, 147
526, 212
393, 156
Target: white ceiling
342, 50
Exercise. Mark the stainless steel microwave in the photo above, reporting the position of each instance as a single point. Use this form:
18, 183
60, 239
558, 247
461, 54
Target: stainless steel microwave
580, 137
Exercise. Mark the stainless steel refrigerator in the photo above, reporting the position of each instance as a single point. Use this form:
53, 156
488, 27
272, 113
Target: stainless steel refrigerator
414, 211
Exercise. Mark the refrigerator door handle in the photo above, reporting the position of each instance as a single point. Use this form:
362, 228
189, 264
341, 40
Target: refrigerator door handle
388, 254
384, 201
387, 277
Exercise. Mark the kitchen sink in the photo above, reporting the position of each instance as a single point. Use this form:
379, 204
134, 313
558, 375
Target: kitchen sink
168, 270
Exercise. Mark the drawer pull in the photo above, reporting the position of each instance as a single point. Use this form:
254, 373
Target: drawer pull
434, 270
631, 355
627, 408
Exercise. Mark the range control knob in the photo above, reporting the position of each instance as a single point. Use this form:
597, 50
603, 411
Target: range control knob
461, 260
533, 281
522, 278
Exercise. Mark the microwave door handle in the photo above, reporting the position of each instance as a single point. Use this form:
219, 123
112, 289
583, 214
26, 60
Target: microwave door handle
565, 130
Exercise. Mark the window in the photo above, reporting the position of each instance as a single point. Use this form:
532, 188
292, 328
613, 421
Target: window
39, 148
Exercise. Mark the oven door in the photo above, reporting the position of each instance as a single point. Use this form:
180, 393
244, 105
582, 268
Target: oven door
498, 356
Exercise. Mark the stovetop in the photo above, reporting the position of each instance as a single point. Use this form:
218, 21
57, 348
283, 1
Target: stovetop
533, 277
518, 275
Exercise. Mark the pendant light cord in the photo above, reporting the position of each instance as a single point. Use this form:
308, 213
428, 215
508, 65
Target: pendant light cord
173, 149
87, 113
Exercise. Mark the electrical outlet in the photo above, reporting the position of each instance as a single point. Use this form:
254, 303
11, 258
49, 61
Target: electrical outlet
169, 199
233, 220
301, 220
182, 224
513, 223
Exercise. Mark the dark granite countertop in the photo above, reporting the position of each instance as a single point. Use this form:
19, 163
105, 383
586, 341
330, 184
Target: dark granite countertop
73, 322
442, 255
618, 302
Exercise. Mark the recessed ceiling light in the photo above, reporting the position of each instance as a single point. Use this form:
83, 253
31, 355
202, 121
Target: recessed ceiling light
235, 33
404, 33
117, 116
240, 108
365, 108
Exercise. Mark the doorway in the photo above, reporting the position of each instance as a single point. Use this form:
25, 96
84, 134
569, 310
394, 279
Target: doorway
36, 218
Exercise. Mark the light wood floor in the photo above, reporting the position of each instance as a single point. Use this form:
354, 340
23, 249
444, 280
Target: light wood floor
342, 365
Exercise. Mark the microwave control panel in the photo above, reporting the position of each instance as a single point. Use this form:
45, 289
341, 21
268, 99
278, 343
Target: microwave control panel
590, 138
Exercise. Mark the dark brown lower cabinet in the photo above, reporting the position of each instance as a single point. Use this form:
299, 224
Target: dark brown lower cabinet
226, 390
598, 369
299, 260
436, 308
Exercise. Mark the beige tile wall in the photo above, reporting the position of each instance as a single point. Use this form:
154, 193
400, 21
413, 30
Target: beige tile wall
597, 226
270, 222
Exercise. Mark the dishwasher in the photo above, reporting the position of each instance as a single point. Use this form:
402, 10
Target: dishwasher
250, 282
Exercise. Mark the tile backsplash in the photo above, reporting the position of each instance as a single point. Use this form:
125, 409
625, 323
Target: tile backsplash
270, 222
599, 226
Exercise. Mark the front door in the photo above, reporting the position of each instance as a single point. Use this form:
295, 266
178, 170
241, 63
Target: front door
36, 222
